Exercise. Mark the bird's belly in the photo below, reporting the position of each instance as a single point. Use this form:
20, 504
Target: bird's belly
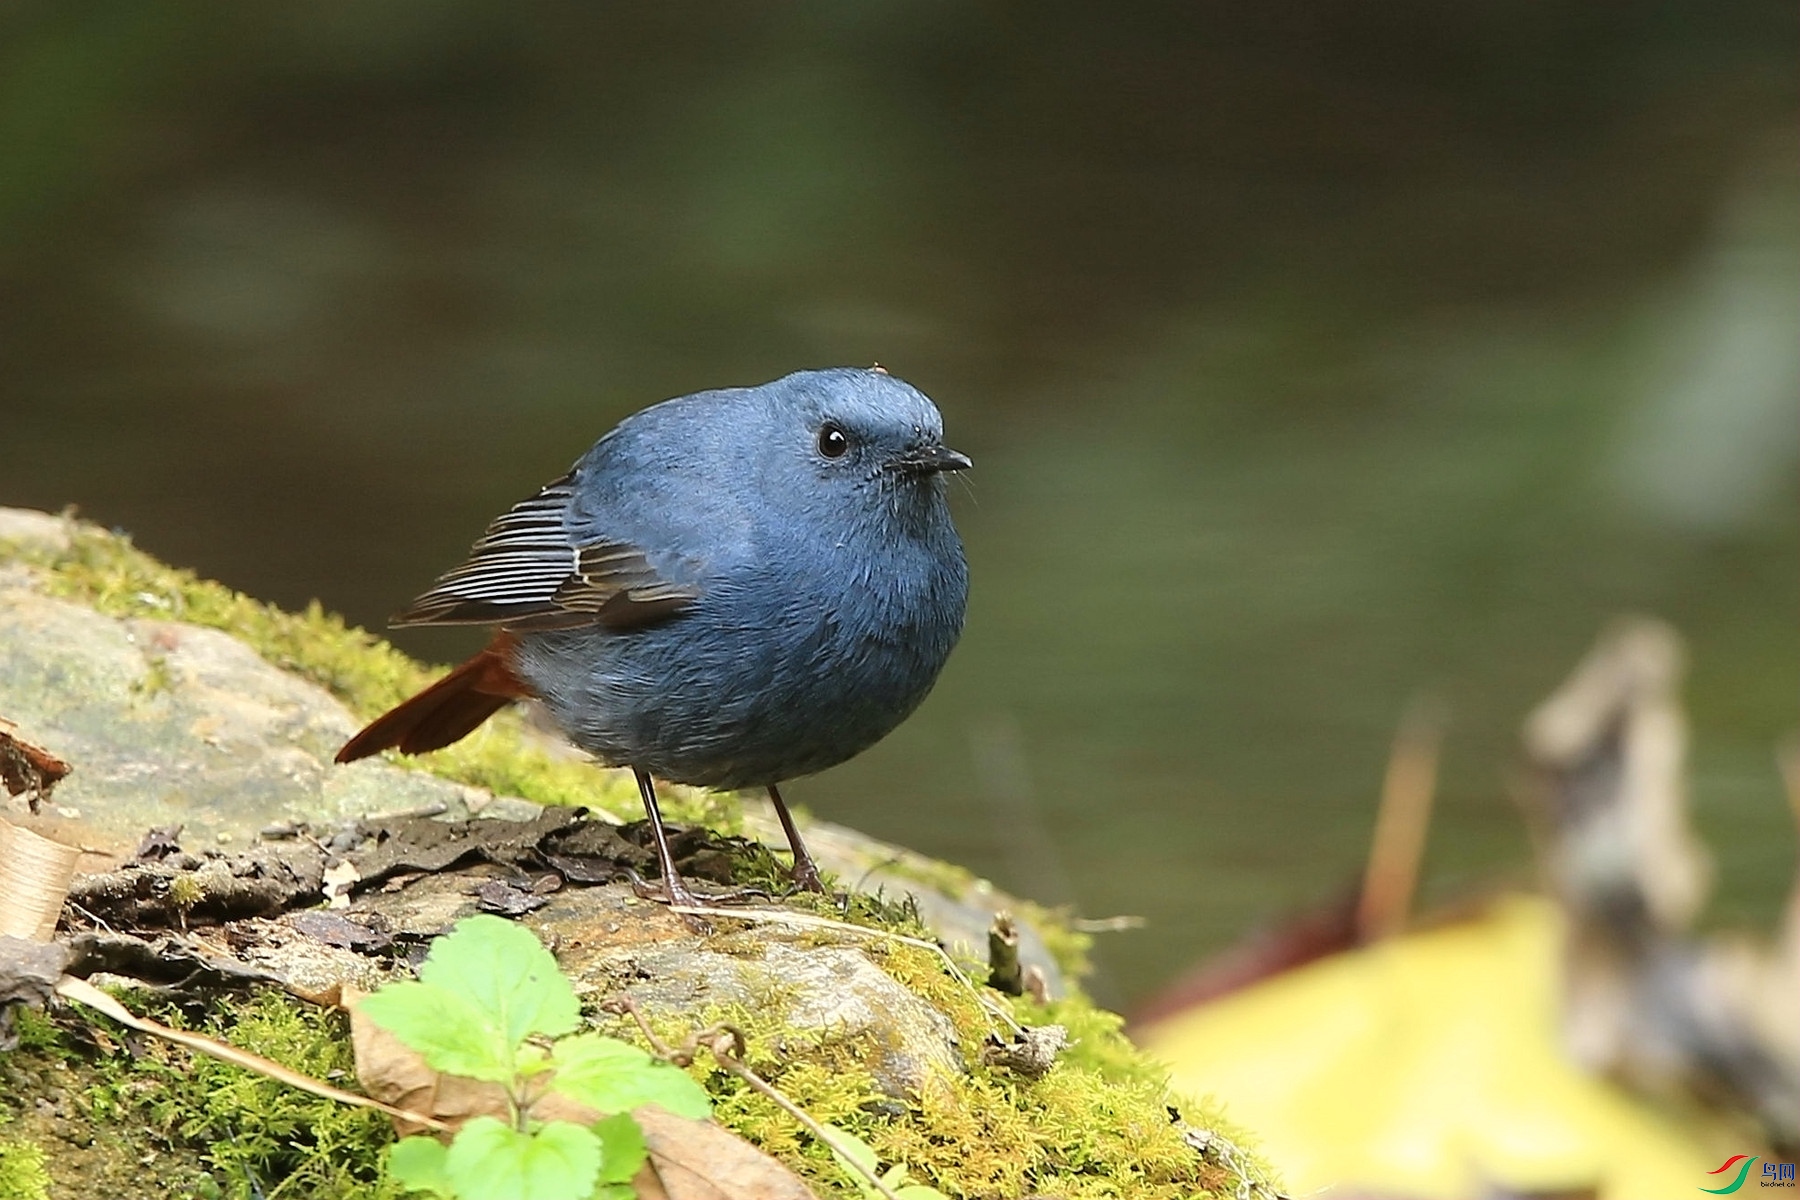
727, 703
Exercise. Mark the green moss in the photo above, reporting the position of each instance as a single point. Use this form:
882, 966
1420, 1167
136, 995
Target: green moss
213, 1130
1097, 1126
22, 1172
826, 1075
257, 1137
36, 1033
185, 891
1097, 1041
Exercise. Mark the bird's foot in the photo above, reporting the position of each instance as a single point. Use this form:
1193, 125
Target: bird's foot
805, 875
664, 891
675, 892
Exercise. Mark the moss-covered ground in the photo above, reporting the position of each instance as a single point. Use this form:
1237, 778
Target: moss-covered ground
124, 1117
1098, 1125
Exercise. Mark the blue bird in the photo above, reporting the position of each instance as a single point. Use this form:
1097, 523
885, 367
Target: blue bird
730, 589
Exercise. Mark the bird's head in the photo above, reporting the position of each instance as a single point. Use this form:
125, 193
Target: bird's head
865, 431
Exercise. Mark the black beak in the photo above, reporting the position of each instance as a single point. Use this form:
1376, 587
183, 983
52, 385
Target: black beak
929, 460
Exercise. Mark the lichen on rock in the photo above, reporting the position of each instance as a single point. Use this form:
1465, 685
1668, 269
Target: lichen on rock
182, 702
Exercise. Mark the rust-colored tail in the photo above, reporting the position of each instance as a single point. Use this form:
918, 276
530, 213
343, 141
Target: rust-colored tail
448, 710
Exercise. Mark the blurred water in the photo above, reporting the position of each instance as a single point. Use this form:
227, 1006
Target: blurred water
1310, 356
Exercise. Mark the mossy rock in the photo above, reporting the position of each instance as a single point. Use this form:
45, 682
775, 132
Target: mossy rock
865, 1028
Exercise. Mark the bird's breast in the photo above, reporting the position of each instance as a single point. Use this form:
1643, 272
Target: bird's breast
777, 672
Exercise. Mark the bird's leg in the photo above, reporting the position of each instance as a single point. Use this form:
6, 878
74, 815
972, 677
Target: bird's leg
806, 872
677, 890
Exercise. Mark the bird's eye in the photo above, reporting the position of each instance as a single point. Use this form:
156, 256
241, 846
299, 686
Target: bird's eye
833, 441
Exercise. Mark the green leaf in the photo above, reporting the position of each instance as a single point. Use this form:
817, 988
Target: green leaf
490, 1160
611, 1076
507, 973
447, 1030
623, 1150
855, 1150
531, 1060
417, 1163
851, 1152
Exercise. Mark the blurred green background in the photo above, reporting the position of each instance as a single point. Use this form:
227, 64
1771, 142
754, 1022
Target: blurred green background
1311, 355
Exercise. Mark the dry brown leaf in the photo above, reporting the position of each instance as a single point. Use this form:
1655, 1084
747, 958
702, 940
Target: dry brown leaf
26, 766
699, 1160
647, 1185
393, 1072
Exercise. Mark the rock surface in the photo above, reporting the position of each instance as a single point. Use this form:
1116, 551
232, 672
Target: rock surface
174, 725
170, 722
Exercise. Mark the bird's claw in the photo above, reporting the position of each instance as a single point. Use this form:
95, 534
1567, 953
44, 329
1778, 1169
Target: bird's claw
675, 892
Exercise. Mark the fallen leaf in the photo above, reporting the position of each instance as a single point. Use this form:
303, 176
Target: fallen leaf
699, 1160
341, 932
394, 1072
158, 843
26, 766
498, 896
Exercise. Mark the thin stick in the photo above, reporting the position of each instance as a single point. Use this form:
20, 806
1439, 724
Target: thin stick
727, 1045
1392, 873
83, 992
732, 1063
809, 921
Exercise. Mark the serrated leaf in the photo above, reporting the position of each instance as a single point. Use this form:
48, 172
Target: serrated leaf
490, 1160
611, 1076
622, 1148
450, 1033
417, 1163
506, 972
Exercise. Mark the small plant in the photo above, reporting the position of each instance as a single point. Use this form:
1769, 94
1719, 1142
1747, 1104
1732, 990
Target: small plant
490, 1004
859, 1161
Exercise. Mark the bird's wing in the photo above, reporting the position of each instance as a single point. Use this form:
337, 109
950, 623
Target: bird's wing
527, 574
